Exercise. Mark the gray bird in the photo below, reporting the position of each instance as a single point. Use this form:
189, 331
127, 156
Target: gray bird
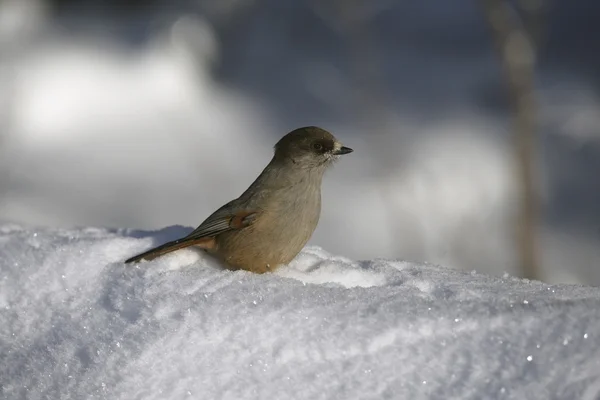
272, 220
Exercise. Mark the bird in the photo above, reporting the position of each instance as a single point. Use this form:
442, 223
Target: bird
270, 222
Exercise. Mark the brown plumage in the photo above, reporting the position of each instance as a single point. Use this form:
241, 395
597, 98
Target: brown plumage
272, 220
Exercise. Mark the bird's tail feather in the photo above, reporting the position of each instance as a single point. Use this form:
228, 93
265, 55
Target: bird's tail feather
169, 247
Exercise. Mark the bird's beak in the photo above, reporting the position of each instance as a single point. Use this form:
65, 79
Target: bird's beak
343, 150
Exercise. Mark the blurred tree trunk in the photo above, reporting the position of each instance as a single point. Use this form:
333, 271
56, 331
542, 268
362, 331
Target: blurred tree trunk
516, 49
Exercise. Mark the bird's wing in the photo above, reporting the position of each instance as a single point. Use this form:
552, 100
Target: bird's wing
222, 220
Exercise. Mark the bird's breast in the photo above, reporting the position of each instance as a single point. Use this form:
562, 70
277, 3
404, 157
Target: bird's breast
286, 222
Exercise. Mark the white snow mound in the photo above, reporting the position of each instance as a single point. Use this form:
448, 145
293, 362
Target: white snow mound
76, 323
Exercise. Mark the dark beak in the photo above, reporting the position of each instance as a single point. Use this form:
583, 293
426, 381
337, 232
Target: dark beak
344, 150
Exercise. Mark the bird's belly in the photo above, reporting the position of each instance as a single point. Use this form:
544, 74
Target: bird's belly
266, 244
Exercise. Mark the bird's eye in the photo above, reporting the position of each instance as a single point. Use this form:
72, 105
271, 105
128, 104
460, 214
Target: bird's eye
317, 146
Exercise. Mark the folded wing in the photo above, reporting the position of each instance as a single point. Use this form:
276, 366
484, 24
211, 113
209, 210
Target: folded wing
203, 236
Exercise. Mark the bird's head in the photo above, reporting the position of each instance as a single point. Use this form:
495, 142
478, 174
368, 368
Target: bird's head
310, 147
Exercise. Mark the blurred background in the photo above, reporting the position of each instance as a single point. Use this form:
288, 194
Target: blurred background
475, 123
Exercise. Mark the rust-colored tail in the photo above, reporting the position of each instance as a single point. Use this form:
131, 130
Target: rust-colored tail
204, 243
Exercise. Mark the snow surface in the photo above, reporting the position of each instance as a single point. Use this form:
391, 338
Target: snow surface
76, 323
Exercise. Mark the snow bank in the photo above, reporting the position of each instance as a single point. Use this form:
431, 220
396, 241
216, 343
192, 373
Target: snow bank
77, 323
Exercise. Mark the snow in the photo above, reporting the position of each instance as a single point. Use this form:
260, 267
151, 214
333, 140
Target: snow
75, 323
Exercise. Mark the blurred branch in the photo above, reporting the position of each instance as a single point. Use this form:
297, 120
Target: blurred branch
533, 15
372, 100
516, 49
350, 19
